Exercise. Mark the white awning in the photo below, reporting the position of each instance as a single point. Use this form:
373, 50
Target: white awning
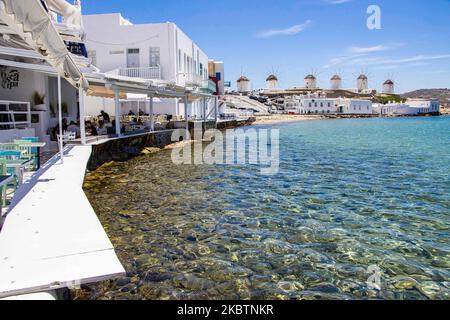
29, 20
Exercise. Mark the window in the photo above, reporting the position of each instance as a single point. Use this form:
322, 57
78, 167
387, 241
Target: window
321, 104
92, 57
179, 60
201, 69
154, 57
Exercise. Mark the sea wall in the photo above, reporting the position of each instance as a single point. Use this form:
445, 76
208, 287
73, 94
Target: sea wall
125, 148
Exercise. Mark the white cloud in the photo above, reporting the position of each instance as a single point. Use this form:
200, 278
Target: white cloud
366, 60
284, 32
378, 48
338, 1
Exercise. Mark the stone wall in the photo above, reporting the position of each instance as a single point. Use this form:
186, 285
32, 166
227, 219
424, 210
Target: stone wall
125, 148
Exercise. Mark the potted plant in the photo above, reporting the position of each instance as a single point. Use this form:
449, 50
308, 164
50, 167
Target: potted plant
39, 102
65, 109
52, 111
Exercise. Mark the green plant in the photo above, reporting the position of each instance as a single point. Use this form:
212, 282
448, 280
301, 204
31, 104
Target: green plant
52, 109
38, 98
64, 108
387, 99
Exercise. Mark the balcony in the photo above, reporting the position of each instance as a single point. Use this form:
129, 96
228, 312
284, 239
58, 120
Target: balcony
209, 86
148, 73
190, 80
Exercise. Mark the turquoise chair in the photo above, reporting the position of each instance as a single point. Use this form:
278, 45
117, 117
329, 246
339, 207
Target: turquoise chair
3, 189
4, 171
28, 153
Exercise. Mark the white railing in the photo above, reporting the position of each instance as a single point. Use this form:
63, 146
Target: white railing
11, 115
190, 80
147, 73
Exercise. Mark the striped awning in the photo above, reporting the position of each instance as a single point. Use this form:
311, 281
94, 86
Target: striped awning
30, 20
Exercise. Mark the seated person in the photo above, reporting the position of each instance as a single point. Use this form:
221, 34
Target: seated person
105, 116
55, 130
131, 113
73, 127
90, 128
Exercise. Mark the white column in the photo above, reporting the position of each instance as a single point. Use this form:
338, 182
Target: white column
204, 114
216, 105
60, 140
82, 117
186, 106
152, 118
117, 107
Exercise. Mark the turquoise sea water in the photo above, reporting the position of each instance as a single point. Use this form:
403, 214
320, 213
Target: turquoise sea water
352, 196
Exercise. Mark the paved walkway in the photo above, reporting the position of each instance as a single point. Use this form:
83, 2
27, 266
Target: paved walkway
52, 237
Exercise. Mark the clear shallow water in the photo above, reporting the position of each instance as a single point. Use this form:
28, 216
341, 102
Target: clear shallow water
350, 194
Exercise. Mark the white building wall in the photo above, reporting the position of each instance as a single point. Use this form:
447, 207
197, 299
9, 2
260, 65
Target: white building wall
181, 60
244, 86
272, 85
353, 106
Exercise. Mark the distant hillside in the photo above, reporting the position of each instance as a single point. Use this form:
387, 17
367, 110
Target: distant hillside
442, 94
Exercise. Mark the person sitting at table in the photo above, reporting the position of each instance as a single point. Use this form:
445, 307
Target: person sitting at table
131, 113
73, 127
91, 129
105, 116
55, 130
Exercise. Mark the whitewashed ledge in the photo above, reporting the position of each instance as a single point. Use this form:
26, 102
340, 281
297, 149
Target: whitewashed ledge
51, 237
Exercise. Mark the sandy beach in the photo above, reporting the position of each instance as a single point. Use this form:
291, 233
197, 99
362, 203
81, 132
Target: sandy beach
282, 118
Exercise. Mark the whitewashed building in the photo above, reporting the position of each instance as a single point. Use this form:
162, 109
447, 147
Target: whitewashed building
413, 107
160, 52
243, 85
310, 104
272, 83
388, 87
217, 75
354, 106
310, 82
362, 83
29, 80
336, 82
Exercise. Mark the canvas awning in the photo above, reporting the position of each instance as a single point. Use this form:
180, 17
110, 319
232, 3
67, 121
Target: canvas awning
30, 21
103, 92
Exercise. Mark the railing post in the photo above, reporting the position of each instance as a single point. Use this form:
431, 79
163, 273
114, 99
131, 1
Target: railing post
152, 118
117, 108
60, 140
186, 104
82, 117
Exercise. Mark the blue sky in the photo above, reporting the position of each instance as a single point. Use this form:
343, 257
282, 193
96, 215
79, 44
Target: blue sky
296, 37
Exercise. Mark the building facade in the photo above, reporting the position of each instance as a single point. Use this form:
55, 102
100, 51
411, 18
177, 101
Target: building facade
354, 106
413, 107
243, 85
157, 52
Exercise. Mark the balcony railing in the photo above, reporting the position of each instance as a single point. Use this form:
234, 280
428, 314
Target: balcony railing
209, 86
190, 80
149, 73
